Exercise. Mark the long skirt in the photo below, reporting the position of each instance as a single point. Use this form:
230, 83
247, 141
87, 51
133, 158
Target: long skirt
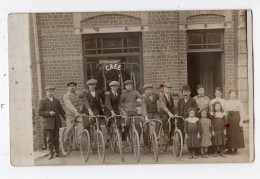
235, 136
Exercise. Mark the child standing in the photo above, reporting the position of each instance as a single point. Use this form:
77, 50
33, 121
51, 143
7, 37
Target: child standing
205, 132
219, 130
191, 128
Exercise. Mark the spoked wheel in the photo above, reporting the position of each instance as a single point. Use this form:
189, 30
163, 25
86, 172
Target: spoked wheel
101, 146
84, 145
136, 145
119, 144
155, 146
177, 144
130, 141
66, 144
113, 139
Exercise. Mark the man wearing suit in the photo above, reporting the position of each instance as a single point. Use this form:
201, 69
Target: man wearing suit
91, 100
50, 110
73, 107
150, 109
184, 104
169, 103
112, 101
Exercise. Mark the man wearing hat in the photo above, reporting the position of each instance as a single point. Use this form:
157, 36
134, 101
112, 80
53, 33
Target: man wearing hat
92, 100
111, 103
128, 103
73, 107
184, 104
50, 110
168, 101
150, 109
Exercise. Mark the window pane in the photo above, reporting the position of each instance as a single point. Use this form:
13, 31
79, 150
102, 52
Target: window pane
195, 38
90, 43
214, 38
112, 43
133, 42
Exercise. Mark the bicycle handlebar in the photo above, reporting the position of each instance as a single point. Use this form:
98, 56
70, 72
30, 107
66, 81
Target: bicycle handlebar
113, 117
174, 117
152, 120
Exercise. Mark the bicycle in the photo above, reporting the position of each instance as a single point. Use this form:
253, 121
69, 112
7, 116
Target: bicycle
83, 141
152, 138
133, 138
96, 137
177, 139
115, 136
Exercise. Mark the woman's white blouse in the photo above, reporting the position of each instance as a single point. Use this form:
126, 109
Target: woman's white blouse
235, 105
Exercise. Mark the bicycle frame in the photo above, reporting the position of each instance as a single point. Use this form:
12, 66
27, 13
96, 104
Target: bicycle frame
175, 121
151, 126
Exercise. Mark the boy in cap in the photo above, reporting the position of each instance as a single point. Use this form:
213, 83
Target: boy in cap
168, 101
184, 104
150, 109
73, 107
50, 110
128, 103
91, 100
111, 103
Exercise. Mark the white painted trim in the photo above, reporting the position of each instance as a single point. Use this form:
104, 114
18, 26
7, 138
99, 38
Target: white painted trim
204, 26
110, 30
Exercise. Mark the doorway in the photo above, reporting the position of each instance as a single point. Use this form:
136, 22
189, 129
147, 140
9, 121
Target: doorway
205, 68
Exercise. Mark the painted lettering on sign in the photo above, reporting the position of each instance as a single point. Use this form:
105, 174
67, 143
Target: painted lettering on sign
113, 66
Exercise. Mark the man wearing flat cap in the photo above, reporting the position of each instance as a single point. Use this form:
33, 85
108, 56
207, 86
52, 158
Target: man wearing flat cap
73, 107
150, 109
128, 103
92, 100
184, 104
168, 101
51, 110
111, 103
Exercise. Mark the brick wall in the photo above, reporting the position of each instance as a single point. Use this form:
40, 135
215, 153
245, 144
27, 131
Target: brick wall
229, 57
60, 56
160, 49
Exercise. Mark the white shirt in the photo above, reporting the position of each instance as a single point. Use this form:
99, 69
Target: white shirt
93, 93
115, 93
51, 99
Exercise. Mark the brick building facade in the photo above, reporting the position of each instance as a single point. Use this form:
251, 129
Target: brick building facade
167, 50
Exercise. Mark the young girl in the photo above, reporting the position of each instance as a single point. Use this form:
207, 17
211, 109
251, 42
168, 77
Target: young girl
218, 128
191, 128
205, 133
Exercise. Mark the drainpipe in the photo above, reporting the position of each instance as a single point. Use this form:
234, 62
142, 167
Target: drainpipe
37, 55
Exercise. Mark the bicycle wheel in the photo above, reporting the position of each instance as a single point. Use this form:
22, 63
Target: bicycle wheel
177, 144
155, 146
136, 145
113, 138
119, 144
100, 145
84, 145
66, 145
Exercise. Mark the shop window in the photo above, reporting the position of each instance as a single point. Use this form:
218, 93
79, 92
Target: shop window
109, 57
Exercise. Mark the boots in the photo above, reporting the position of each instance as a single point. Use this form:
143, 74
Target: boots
51, 152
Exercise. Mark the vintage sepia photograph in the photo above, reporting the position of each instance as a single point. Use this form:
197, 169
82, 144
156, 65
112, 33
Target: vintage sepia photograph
137, 87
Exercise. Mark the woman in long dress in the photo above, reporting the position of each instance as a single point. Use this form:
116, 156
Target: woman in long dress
235, 115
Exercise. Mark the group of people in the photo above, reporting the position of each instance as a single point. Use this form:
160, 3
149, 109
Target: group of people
207, 122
